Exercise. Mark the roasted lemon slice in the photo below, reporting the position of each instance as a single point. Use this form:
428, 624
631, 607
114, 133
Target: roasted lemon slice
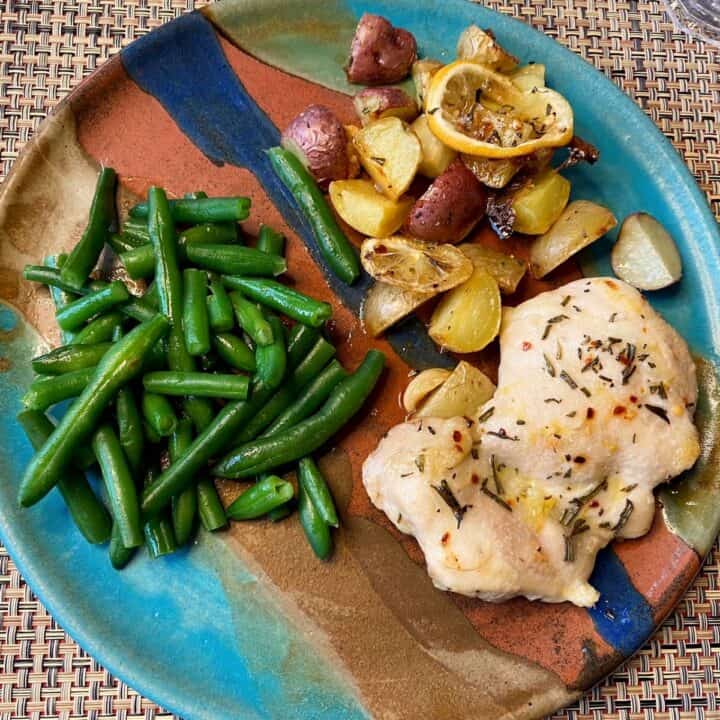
480, 112
413, 265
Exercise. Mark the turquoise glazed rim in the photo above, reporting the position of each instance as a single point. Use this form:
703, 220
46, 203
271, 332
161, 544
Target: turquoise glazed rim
168, 636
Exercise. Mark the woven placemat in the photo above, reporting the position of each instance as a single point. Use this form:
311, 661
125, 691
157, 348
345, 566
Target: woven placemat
46, 48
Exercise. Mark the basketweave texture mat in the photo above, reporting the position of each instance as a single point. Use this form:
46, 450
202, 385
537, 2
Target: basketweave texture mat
46, 48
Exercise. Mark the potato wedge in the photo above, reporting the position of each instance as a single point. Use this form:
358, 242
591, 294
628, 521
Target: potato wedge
413, 265
390, 153
466, 390
422, 72
528, 77
366, 210
645, 255
540, 202
507, 270
582, 223
468, 317
384, 305
480, 47
353, 160
373, 104
436, 157
422, 385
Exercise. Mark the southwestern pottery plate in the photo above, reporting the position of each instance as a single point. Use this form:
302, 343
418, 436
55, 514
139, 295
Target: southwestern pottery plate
247, 623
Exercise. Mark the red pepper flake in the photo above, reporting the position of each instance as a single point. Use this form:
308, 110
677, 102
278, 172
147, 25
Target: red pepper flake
594, 504
579, 459
619, 410
474, 479
380, 249
526, 346
459, 448
633, 399
457, 436
444, 539
590, 414
611, 284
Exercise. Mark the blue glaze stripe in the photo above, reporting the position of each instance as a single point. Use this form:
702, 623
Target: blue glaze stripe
198, 88
622, 616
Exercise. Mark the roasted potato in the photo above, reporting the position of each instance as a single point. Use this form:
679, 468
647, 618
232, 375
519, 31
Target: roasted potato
507, 270
366, 210
583, 222
479, 46
422, 72
380, 54
353, 160
450, 208
540, 202
464, 391
318, 139
528, 77
467, 318
645, 255
422, 385
415, 265
375, 103
384, 305
390, 153
436, 157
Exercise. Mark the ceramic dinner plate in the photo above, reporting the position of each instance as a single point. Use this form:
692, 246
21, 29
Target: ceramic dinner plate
247, 623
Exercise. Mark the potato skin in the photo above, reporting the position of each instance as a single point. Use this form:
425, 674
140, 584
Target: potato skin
318, 138
375, 103
380, 54
450, 208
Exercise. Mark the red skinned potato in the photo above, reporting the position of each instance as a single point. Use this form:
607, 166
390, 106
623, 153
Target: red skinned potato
380, 54
450, 208
375, 103
319, 140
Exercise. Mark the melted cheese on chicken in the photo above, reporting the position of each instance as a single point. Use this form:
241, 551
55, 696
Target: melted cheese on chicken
593, 409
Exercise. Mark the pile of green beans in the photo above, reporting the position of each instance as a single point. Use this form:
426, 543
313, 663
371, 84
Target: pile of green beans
217, 369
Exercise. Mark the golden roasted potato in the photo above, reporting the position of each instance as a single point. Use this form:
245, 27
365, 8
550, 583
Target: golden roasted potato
353, 159
422, 385
366, 210
479, 46
422, 72
468, 317
384, 305
415, 265
450, 208
373, 104
583, 222
507, 270
464, 391
390, 153
540, 202
645, 255
436, 157
528, 77
380, 54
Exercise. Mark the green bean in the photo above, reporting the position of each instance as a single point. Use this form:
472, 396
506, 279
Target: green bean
316, 530
310, 400
130, 428
234, 352
157, 358
67, 358
137, 229
120, 364
236, 260
60, 298
304, 438
212, 441
282, 299
201, 210
78, 312
52, 389
220, 309
86, 510
184, 505
196, 325
251, 320
261, 498
271, 360
221, 233
158, 413
158, 529
151, 296
151, 436
338, 252
211, 510
100, 330
139, 262
301, 339
119, 485
120, 556
316, 487
270, 241
84, 457
200, 411
281, 512
175, 383
122, 242
101, 220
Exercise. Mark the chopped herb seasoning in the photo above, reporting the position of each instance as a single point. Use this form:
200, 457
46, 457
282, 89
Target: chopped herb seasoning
566, 300
378, 160
552, 321
502, 434
433, 111
496, 479
495, 496
553, 400
580, 527
612, 317
404, 475
577, 504
486, 415
519, 422
659, 390
431, 430
634, 438
624, 515
420, 463
660, 412
571, 414
568, 473
585, 392
444, 491
629, 488
549, 366
566, 378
